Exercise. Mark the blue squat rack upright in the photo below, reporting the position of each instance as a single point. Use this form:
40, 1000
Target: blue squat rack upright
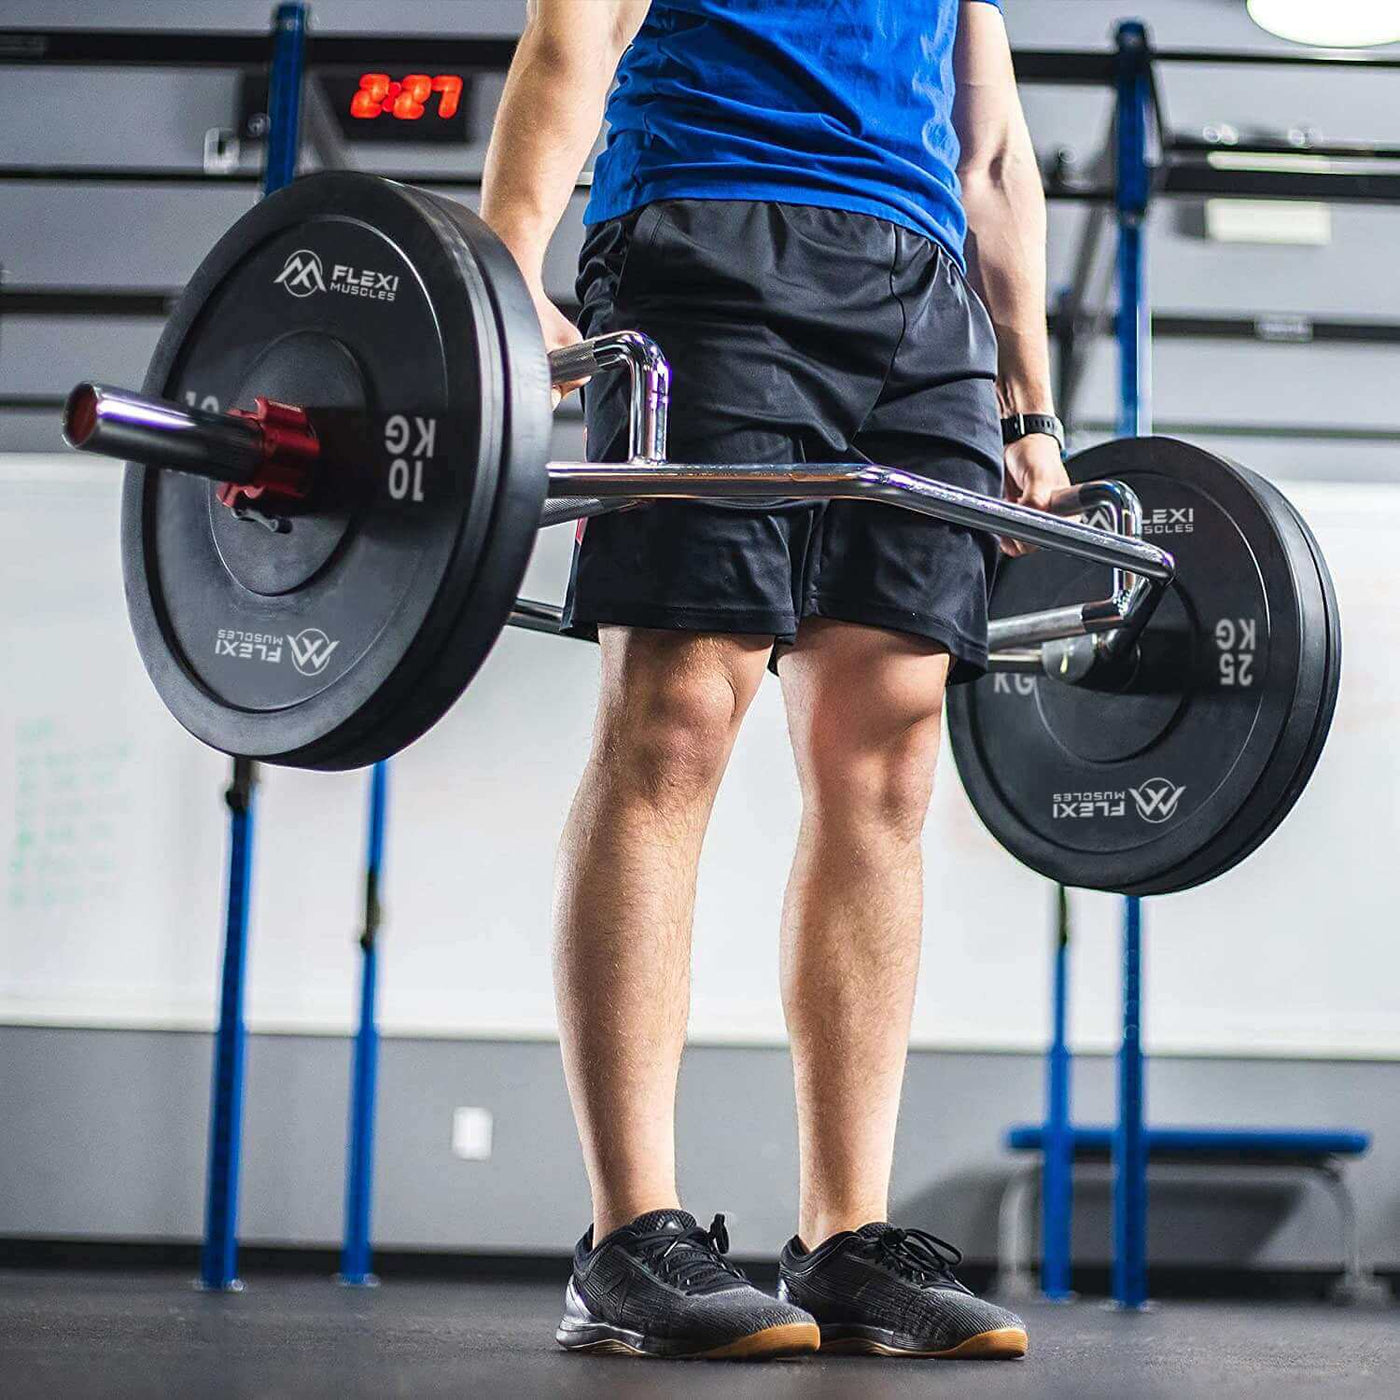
218, 1261
218, 1266
1057, 1171
1134, 187
359, 1165
1132, 192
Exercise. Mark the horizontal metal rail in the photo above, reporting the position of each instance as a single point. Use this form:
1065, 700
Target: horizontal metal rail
192, 176
853, 481
1186, 144
1183, 179
134, 303
1192, 178
1387, 434
155, 48
1270, 327
212, 48
1273, 58
196, 175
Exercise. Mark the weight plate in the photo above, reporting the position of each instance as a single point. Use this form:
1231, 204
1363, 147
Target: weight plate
1178, 774
403, 328
1332, 686
1272, 801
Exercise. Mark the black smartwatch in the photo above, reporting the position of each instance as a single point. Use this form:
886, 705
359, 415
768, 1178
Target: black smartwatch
1021, 425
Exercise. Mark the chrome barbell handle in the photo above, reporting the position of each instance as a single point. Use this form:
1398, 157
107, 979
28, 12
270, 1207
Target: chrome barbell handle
649, 390
1141, 570
634, 481
1123, 608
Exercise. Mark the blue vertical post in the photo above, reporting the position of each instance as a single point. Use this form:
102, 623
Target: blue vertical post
1134, 189
284, 95
218, 1261
359, 1165
1057, 1183
1129, 1140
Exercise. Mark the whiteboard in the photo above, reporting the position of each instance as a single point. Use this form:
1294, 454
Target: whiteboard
113, 838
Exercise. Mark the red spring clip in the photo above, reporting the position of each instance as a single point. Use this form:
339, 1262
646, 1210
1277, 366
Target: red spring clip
289, 446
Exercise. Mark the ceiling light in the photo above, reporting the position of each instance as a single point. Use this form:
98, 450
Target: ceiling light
1336, 24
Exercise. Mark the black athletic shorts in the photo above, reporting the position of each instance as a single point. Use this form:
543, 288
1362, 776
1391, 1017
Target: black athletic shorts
794, 333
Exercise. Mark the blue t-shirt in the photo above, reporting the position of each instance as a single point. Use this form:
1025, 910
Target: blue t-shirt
846, 104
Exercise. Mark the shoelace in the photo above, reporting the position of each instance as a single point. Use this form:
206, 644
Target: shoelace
694, 1260
920, 1257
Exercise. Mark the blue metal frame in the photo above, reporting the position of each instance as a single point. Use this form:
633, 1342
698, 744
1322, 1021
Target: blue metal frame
1134, 189
289, 22
218, 1262
1129, 1137
1057, 1163
359, 1171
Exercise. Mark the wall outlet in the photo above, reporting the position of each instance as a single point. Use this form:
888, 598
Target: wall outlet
471, 1133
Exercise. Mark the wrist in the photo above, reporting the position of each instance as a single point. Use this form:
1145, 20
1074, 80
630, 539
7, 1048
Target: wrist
531, 265
1030, 398
1023, 385
526, 247
1015, 427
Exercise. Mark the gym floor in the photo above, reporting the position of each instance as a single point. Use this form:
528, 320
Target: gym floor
77, 1335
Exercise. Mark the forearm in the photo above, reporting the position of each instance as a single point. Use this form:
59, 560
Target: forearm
1005, 204
548, 120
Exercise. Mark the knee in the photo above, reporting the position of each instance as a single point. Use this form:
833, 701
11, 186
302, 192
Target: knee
668, 737
872, 777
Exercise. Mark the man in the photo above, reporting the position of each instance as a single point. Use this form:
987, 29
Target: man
785, 203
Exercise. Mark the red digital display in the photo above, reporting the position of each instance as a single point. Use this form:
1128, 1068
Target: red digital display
406, 99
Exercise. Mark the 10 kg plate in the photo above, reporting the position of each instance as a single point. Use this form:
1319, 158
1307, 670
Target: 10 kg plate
1169, 776
334, 634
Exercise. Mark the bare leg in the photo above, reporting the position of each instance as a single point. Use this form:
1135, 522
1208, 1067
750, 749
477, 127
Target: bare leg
669, 712
864, 710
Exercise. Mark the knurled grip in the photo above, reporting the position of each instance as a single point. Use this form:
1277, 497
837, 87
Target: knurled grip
573, 362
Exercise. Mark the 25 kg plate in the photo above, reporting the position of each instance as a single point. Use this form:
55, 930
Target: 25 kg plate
1171, 777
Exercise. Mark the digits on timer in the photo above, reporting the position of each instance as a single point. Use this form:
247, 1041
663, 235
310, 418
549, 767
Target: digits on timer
407, 99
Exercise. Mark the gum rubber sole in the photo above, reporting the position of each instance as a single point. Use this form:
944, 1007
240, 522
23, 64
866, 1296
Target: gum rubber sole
1001, 1343
790, 1339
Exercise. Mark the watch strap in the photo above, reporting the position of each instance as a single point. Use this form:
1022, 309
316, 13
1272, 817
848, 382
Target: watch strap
1020, 425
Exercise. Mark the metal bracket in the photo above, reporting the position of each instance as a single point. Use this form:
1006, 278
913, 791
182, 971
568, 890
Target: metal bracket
223, 151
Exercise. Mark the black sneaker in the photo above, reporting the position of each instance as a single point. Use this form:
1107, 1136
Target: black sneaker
892, 1292
661, 1286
